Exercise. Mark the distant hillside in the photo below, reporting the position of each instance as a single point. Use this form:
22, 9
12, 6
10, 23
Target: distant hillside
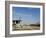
35, 25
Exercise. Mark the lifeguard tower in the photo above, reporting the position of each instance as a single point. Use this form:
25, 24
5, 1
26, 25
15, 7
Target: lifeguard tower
17, 23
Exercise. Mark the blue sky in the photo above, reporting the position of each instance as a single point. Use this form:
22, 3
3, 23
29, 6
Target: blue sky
28, 15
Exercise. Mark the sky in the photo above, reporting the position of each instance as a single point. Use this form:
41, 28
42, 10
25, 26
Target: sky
26, 14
